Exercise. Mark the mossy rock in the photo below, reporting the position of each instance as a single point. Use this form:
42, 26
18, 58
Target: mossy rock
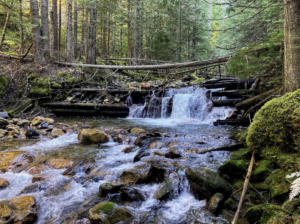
244, 154
292, 207
238, 184
231, 204
274, 132
4, 82
205, 182
240, 136
260, 186
279, 186
255, 213
234, 167
214, 204
262, 170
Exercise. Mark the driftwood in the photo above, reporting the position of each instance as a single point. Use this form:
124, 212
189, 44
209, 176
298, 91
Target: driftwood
152, 67
22, 107
229, 102
235, 93
236, 122
247, 104
245, 187
224, 148
231, 85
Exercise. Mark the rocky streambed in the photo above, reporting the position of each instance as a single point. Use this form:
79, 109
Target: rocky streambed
115, 170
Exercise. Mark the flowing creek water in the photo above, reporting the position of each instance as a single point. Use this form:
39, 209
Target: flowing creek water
66, 196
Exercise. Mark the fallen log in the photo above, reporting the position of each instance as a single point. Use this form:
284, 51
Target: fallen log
238, 122
88, 109
235, 93
224, 148
152, 67
224, 103
247, 104
231, 85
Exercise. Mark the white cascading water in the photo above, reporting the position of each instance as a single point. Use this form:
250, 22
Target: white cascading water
191, 103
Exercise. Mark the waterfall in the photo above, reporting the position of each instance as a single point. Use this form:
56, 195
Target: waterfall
190, 103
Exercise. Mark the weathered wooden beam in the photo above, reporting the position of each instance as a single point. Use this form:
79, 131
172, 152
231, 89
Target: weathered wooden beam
235, 93
224, 103
237, 122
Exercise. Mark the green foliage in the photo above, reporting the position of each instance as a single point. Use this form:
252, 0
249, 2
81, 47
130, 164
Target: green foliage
198, 80
3, 85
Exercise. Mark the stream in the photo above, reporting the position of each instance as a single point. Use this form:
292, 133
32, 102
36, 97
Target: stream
67, 195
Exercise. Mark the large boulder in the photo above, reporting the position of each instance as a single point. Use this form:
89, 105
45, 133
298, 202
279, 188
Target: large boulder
262, 213
108, 213
205, 183
18, 210
169, 189
274, 132
93, 136
135, 174
15, 161
234, 167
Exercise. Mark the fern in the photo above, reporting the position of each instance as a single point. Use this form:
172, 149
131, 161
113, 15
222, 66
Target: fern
295, 188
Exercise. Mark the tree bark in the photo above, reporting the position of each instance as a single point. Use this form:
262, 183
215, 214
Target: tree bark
59, 28
36, 31
178, 38
291, 45
135, 32
54, 33
91, 57
128, 32
4, 29
70, 48
45, 29
21, 26
75, 27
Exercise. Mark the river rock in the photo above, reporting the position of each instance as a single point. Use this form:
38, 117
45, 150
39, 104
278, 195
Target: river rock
57, 132
132, 194
169, 189
135, 174
4, 115
108, 213
138, 131
31, 133
140, 140
157, 145
38, 120
109, 187
140, 154
50, 121
18, 210
15, 160
173, 154
205, 183
38, 178
215, 202
146, 85
93, 136
3, 122
23, 122
12, 127
172, 144
3, 183
234, 167
129, 149
37, 169
60, 163
3, 133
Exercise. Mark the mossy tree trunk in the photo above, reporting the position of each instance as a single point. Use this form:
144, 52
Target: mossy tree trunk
54, 33
4, 29
45, 29
291, 45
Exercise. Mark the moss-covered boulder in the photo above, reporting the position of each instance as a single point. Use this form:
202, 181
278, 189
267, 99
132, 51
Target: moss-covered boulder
240, 136
4, 82
215, 203
109, 187
108, 213
93, 136
279, 186
204, 183
231, 204
262, 170
234, 167
274, 132
256, 213
244, 154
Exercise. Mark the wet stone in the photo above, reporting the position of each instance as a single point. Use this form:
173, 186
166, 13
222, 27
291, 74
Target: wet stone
132, 194
3, 183
129, 149
215, 202
109, 187
38, 120
31, 133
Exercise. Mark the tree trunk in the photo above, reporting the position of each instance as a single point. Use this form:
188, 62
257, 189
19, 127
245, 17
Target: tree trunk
75, 27
86, 29
54, 39
135, 32
91, 57
194, 33
291, 45
82, 33
70, 48
178, 34
4, 29
128, 33
21, 26
36, 31
59, 28
45, 29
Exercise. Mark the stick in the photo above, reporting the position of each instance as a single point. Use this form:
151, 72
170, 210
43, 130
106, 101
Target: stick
245, 187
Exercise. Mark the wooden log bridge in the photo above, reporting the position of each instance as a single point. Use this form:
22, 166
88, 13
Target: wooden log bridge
223, 59
88, 109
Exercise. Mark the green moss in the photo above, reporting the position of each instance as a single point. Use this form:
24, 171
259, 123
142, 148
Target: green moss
3, 85
234, 167
231, 204
56, 85
40, 86
198, 80
240, 136
275, 130
256, 213
105, 207
262, 170
242, 154
238, 184
100, 63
